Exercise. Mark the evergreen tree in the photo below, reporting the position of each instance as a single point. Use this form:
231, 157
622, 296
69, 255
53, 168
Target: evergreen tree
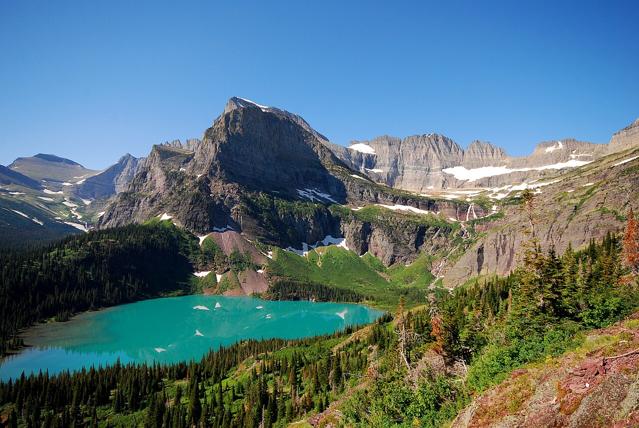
631, 244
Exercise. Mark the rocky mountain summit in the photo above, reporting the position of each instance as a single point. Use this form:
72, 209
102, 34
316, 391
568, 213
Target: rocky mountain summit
266, 173
50, 168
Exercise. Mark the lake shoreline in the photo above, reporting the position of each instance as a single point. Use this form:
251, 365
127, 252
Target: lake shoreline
185, 317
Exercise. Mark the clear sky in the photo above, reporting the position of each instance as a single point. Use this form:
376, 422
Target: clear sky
93, 80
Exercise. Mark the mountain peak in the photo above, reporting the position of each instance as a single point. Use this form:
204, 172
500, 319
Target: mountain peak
54, 158
238, 102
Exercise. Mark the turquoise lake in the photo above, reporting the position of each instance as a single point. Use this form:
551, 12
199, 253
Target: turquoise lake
174, 329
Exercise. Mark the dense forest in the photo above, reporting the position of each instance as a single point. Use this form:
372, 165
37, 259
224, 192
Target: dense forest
418, 368
90, 271
290, 289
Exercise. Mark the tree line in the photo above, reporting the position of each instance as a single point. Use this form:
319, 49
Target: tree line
84, 272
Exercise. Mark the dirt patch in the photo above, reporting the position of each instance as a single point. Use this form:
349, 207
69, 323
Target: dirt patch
230, 241
253, 282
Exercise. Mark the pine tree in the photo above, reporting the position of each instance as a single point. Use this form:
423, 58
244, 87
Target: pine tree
195, 406
631, 244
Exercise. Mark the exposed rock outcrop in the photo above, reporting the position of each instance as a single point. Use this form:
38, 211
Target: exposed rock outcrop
109, 182
578, 389
626, 138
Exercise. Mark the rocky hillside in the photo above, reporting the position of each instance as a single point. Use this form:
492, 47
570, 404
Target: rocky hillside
595, 385
570, 209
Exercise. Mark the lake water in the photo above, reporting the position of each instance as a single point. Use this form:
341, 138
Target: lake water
174, 329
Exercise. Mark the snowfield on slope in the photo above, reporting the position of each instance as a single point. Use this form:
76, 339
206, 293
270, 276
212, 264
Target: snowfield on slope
474, 174
362, 148
328, 240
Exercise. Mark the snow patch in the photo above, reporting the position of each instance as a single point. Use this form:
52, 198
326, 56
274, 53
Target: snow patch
315, 195
16, 193
44, 198
86, 201
499, 193
101, 213
69, 204
588, 184
362, 148
202, 274
328, 240
77, 226
377, 170
626, 161
405, 208
554, 147
165, 216
218, 277
67, 184
262, 107
222, 229
464, 174
20, 213
35, 220
80, 181
51, 192
357, 176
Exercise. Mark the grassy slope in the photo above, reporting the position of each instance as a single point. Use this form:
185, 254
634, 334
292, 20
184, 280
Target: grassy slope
366, 275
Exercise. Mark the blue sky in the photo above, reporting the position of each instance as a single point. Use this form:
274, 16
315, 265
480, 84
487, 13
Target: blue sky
94, 80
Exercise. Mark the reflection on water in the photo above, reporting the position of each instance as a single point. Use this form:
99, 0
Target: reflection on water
174, 329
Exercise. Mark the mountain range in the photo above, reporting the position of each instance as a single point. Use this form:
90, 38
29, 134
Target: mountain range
267, 176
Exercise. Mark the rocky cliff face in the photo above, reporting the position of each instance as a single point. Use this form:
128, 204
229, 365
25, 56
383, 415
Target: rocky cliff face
434, 162
109, 182
626, 138
266, 149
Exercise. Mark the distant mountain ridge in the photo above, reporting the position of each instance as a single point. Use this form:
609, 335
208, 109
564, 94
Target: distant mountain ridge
434, 162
